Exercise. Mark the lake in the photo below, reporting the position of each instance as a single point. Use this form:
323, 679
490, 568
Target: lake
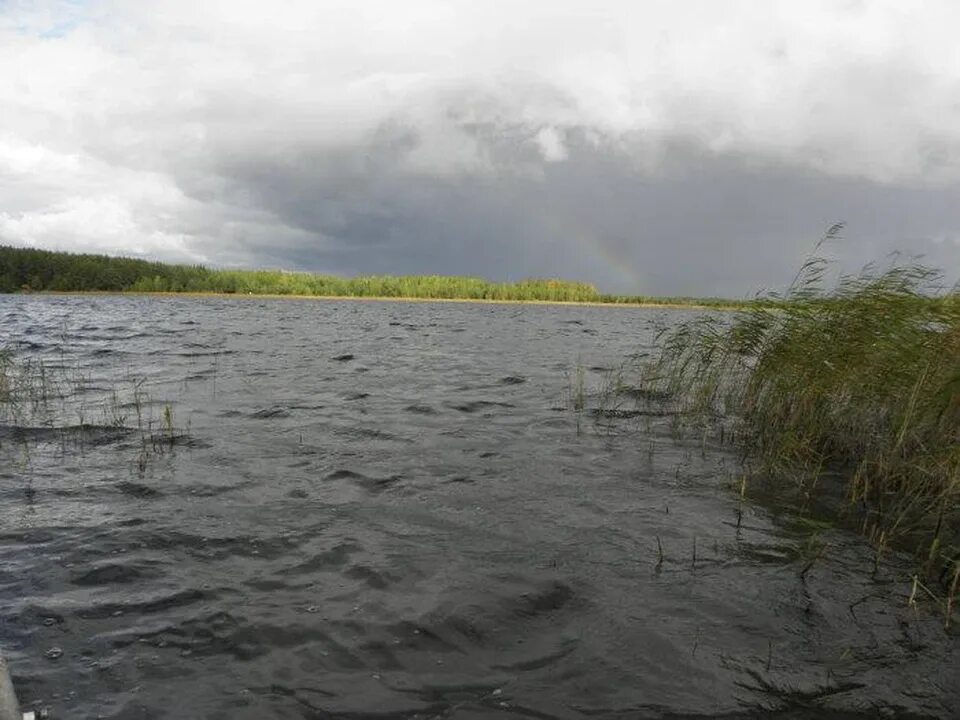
250, 508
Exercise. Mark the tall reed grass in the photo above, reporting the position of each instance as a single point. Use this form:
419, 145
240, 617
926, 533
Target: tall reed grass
27, 386
859, 380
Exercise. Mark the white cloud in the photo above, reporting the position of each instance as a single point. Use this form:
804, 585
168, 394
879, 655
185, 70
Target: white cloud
551, 144
867, 88
104, 223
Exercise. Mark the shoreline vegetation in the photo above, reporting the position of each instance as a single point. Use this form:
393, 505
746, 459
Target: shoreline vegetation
850, 391
665, 303
25, 270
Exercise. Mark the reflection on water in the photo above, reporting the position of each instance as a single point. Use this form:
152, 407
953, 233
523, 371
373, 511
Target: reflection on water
386, 510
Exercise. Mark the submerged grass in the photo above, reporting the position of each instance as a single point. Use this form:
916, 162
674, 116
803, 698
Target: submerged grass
40, 399
27, 387
860, 380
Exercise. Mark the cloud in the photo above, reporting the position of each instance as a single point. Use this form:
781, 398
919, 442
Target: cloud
439, 136
552, 145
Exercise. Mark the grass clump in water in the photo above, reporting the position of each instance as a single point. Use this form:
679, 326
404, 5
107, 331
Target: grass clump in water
27, 387
41, 401
859, 381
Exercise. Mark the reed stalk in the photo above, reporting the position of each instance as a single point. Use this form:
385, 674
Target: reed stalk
858, 381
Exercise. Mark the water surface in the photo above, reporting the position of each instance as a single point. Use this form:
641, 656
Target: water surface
375, 509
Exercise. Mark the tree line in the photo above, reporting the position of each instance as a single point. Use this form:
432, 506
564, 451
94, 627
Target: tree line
30, 270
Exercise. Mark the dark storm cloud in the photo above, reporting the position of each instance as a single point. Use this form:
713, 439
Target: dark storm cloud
697, 223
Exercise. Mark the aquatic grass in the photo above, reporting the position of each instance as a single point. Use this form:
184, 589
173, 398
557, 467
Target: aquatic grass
28, 386
859, 381
577, 392
6, 362
37, 395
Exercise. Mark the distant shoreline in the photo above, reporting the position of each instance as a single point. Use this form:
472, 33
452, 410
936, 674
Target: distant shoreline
47, 271
667, 305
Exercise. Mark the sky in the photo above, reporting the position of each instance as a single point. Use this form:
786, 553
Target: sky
696, 147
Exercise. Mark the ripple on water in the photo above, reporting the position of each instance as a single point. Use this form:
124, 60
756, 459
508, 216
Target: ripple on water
433, 541
371, 484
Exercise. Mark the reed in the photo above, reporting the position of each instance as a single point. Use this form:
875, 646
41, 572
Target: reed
28, 386
858, 380
37, 395
6, 362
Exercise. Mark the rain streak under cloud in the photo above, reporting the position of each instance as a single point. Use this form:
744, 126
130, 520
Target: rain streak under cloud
696, 147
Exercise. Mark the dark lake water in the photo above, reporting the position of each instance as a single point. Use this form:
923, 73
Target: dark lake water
391, 510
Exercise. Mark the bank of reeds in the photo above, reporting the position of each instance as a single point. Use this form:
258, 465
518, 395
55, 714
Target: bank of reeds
859, 381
